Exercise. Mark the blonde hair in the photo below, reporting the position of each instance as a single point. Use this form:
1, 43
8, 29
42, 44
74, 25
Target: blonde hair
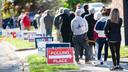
114, 16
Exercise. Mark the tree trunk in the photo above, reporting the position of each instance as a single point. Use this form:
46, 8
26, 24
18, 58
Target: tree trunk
125, 3
0, 15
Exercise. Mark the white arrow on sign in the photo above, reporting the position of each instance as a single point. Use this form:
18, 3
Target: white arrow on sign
59, 56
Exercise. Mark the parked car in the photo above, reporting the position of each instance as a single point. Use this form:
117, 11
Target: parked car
96, 6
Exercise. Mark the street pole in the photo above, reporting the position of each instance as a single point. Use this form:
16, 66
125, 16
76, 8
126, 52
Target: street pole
125, 3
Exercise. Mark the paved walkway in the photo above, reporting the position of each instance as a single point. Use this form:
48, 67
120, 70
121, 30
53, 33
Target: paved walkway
9, 62
100, 68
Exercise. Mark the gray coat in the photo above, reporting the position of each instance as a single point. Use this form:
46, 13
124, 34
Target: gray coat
48, 21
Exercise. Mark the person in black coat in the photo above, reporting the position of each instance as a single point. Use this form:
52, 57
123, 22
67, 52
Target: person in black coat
113, 32
65, 27
91, 23
72, 15
86, 12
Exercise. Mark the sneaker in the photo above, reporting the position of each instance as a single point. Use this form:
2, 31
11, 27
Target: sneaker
81, 58
88, 62
101, 63
97, 63
119, 68
105, 63
113, 68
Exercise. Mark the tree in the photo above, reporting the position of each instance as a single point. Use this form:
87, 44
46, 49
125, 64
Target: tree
40, 4
72, 3
125, 3
49, 4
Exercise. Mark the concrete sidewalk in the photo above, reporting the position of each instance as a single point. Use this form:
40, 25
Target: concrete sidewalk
100, 68
9, 62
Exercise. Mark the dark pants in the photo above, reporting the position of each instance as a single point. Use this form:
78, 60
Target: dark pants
101, 42
81, 52
115, 51
79, 43
6, 22
48, 32
35, 24
91, 50
66, 36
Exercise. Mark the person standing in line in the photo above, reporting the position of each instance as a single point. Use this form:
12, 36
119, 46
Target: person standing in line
57, 23
101, 39
42, 25
37, 19
65, 26
86, 12
97, 16
48, 21
113, 32
72, 15
79, 27
20, 21
91, 23
6, 17
26, 21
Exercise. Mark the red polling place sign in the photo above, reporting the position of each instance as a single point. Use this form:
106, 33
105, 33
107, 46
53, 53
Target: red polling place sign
60, 55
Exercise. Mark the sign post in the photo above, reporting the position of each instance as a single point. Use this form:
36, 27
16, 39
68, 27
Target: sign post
40, 43
42, 39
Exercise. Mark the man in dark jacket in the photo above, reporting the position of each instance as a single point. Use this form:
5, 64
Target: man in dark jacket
65, 27
86, 12
91, 23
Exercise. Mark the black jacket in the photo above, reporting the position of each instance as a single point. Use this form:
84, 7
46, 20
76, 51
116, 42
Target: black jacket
91, 23
113, 30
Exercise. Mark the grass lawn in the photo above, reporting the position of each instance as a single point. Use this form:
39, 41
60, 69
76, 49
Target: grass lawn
39, 64
123, 52
20, 43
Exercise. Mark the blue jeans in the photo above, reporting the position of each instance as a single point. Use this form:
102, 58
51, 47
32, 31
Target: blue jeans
101, 42
5, 23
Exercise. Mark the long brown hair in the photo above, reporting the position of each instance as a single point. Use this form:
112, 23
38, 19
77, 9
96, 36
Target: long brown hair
114, 16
